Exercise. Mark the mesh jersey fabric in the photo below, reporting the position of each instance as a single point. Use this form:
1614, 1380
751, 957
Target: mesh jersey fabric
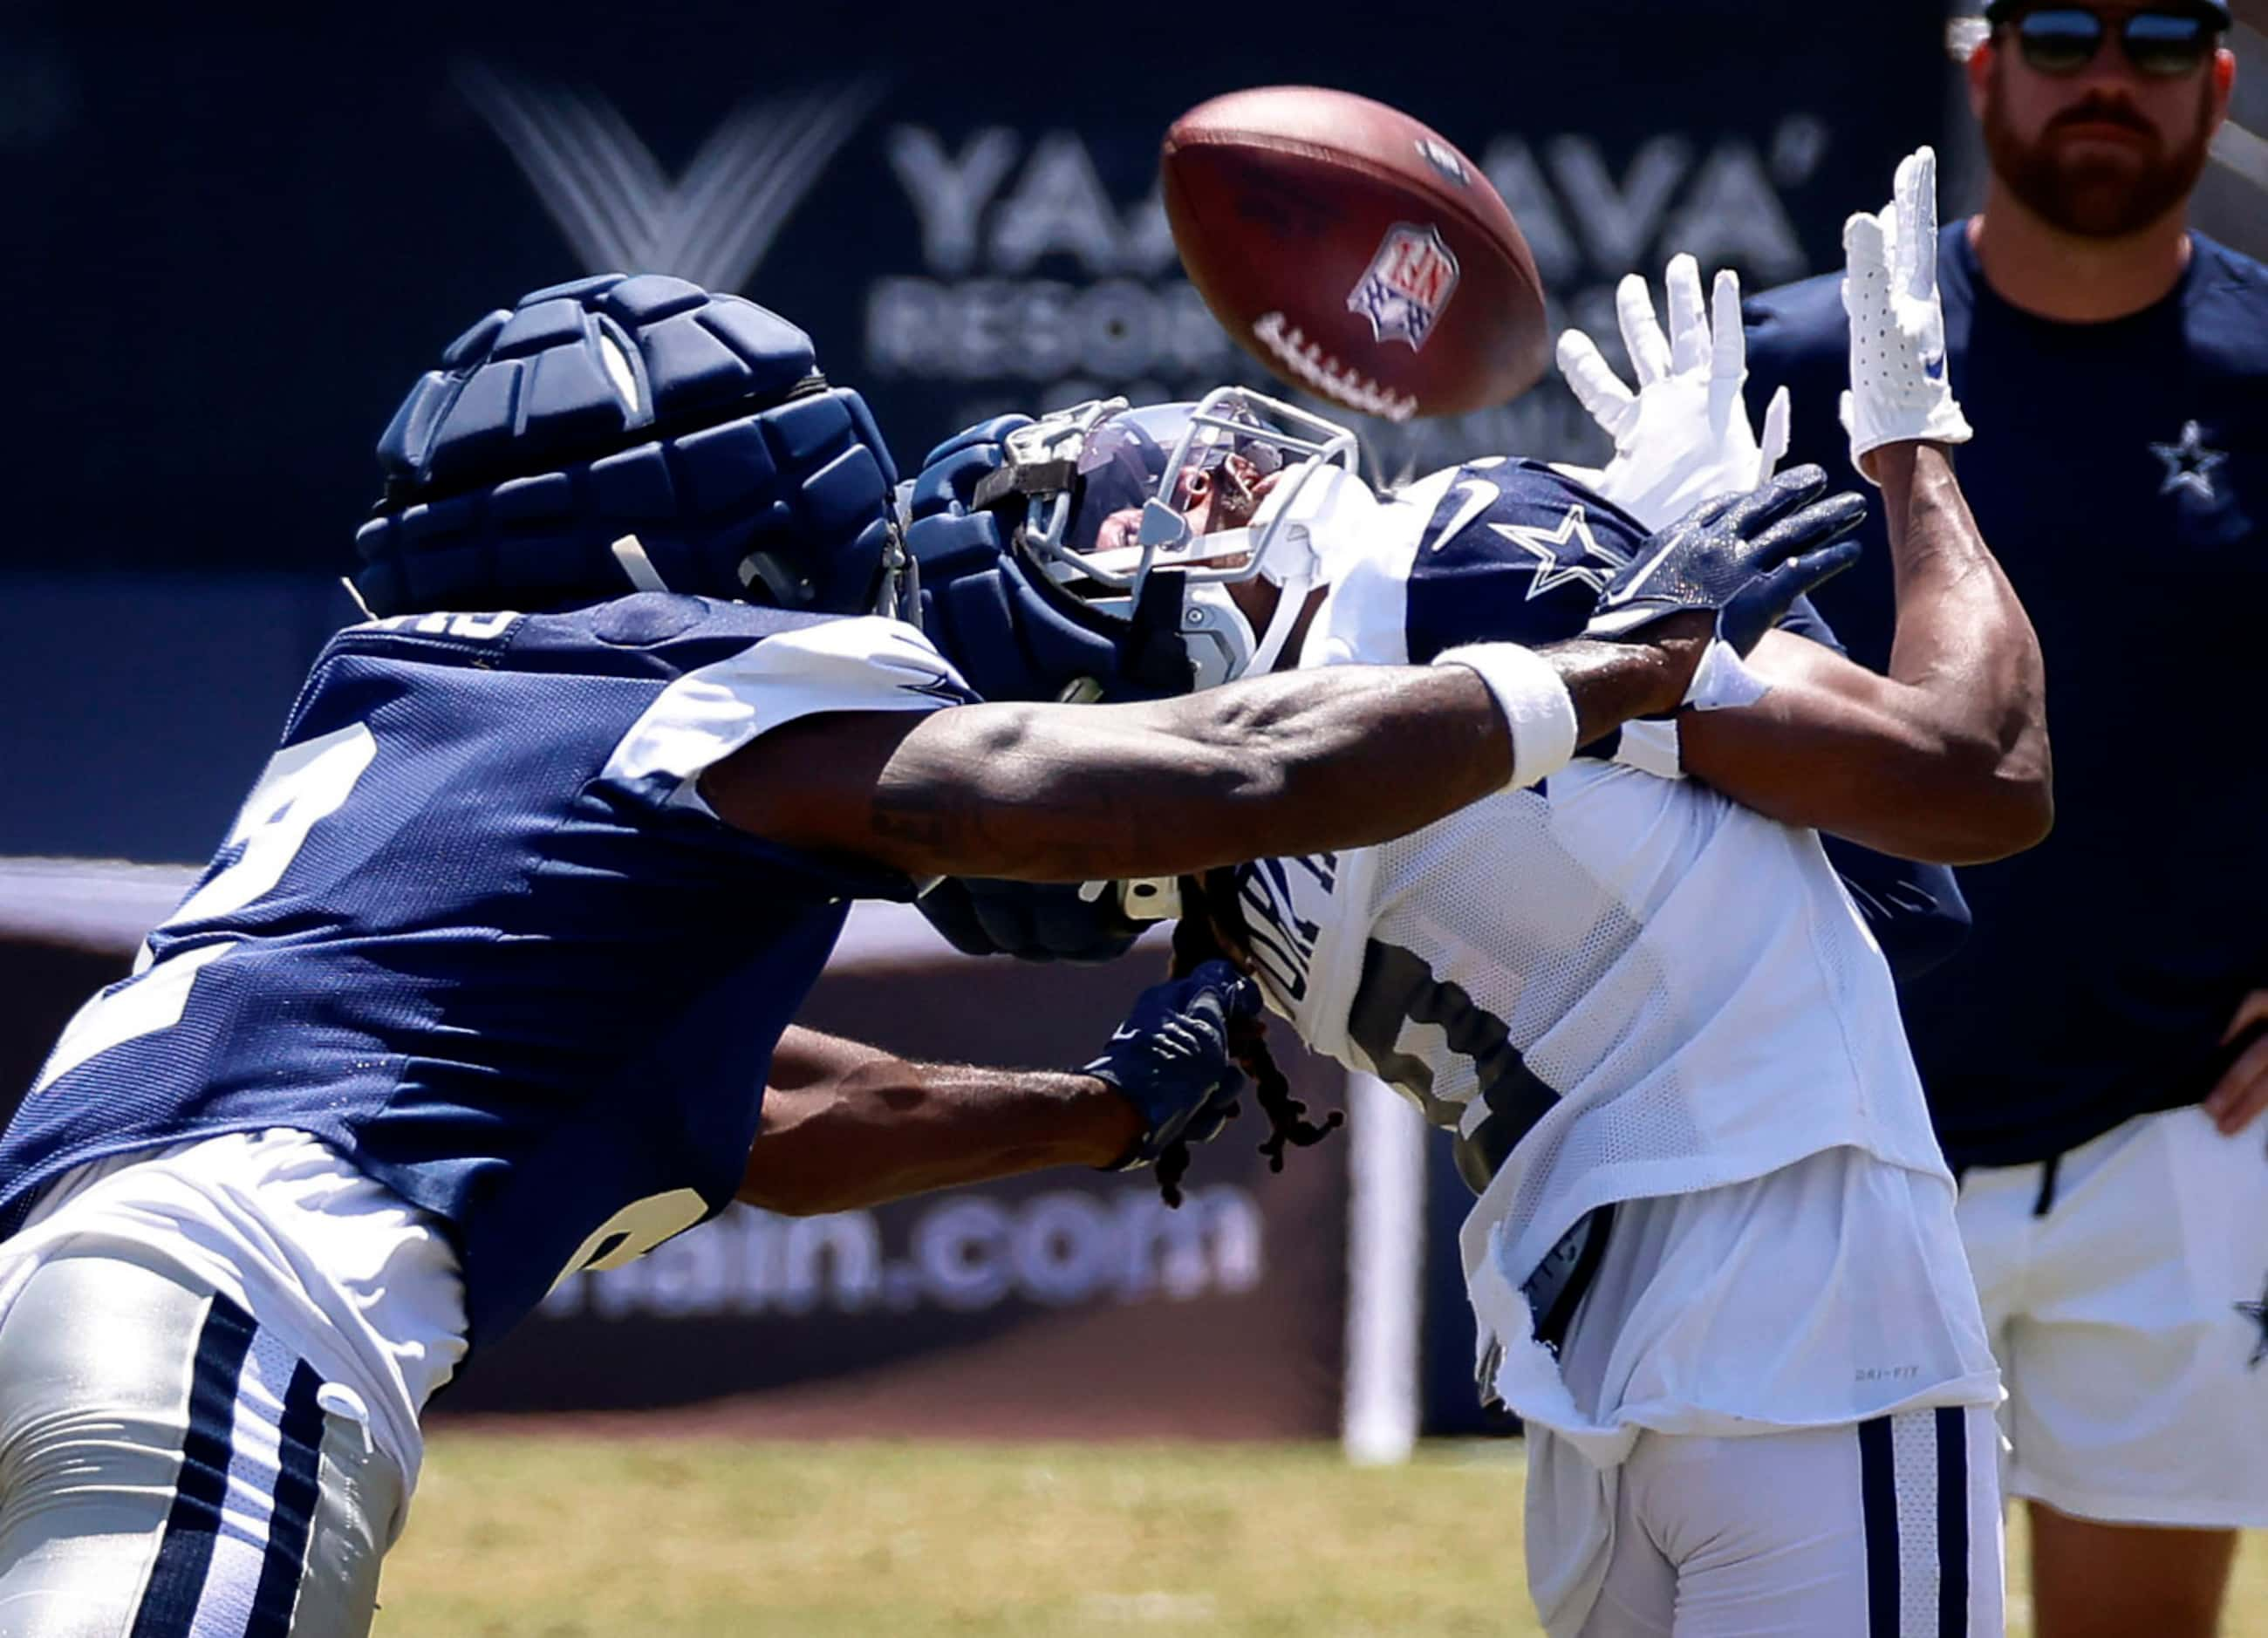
1610, 987
477, 930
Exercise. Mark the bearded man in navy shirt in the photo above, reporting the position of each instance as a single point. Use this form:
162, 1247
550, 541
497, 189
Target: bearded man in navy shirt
2097, 1057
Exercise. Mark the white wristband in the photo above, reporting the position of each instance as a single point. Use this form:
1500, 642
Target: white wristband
1535, 703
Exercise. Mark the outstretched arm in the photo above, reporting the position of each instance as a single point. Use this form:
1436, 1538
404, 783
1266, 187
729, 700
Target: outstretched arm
846, 1126
1279, 765
1308, 762
1946, 759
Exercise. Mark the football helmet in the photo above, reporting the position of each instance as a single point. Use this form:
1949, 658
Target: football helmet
1105, 492
632, 434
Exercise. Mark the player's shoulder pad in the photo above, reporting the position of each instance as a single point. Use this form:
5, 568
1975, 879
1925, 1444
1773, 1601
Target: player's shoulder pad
1531, 491
1514, 551
1460, 503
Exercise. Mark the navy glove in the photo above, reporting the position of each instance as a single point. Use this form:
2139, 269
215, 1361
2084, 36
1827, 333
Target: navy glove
1170, 1060
1745, 558
1030, 921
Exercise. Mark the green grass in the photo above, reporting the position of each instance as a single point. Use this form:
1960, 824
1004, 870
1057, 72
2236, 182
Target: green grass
581, 1537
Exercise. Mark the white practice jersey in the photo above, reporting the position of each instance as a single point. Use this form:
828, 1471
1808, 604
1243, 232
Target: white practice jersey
1613, 987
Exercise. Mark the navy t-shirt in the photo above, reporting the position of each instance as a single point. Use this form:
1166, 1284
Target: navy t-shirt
2120, 474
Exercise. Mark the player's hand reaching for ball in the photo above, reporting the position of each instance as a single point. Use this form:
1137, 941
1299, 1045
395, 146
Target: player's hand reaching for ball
1682, 435
1900, 392
1170, 1059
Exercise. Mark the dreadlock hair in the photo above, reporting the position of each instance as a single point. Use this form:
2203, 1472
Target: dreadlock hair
1211, 929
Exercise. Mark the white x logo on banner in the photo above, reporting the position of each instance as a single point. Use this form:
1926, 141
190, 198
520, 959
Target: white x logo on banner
621, 212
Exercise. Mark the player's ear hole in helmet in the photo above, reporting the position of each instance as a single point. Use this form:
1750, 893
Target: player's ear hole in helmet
626, 433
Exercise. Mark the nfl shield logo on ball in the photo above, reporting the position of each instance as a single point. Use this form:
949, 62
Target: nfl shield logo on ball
1410, 280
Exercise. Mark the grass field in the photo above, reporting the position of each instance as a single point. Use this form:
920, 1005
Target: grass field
581, 1537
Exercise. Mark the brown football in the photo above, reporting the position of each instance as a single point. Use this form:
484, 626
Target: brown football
1354, 252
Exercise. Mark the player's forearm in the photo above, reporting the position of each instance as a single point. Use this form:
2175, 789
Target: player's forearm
846, 1126
1840, 749
1945, 760
1309, 762
1964, 642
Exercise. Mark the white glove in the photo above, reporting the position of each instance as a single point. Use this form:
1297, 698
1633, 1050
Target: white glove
1683, 436
1899, 393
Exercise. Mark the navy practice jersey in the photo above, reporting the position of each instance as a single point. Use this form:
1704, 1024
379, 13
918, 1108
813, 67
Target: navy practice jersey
475, 928
2120, 473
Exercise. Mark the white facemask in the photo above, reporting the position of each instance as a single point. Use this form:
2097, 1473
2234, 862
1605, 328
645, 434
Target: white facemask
1322, 521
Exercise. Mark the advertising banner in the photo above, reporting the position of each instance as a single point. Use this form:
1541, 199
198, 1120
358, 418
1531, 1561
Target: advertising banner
235, 246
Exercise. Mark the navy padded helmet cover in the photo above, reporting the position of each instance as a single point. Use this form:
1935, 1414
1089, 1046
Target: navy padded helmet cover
618, 406
988, 610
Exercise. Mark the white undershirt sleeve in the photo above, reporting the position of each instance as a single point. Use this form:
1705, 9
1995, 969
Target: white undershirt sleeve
862, 663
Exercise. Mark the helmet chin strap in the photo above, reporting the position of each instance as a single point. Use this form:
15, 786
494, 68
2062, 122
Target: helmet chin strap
1326, 511
1219, 636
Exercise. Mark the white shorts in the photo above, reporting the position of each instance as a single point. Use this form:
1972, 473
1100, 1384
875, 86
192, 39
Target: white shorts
1888, 1528
2131, 1321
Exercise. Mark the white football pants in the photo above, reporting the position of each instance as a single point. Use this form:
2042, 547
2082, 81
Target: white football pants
1888, 1528
169, 1469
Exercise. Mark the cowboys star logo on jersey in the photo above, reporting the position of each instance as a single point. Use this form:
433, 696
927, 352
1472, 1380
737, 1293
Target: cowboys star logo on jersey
1510, 551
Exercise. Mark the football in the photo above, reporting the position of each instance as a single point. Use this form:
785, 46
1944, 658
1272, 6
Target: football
1354, 252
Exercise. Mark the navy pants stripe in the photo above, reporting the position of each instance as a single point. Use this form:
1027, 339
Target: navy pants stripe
1952, 1522
176, 1579
297, 1493
1879, 1498
1934, 1486
170, 1467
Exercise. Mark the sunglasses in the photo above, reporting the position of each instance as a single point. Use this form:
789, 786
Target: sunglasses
2162, 45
